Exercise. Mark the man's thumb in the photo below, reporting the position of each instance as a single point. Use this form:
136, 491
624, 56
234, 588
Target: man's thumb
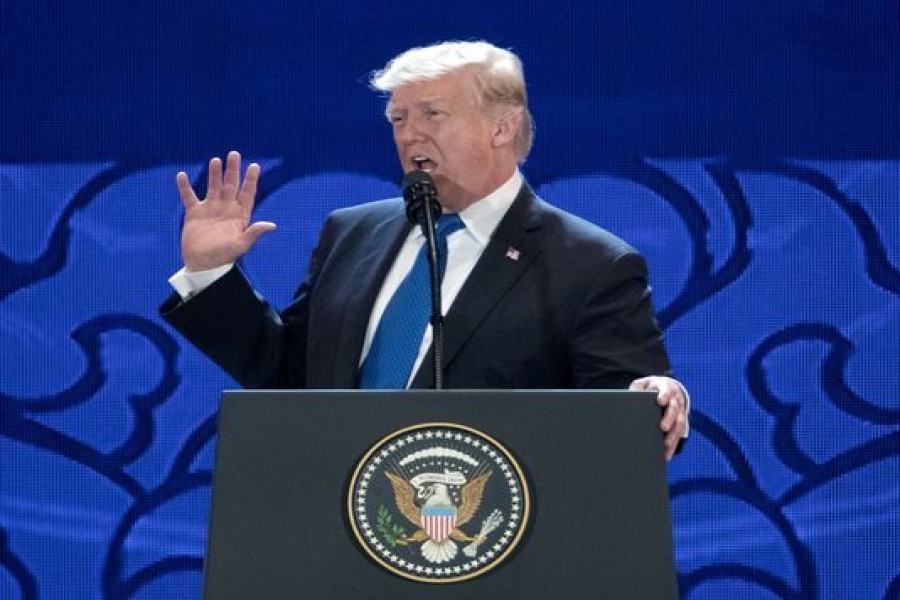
257, 230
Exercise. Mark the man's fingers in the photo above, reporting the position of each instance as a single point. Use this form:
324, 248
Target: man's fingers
675, 432
188, 197
247, 195
214, 178
671, 445
644, 383
223, 185
670, 397
257, 230
664, 392
674, 437
665, 399
232, 174
669, 418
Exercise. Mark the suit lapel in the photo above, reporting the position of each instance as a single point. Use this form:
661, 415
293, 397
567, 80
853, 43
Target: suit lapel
381, 248
512, 248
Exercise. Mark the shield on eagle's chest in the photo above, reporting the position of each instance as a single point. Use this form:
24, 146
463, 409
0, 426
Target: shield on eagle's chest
438, 521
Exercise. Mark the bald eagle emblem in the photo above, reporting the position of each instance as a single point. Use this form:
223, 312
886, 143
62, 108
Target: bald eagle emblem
438, 503
428, 502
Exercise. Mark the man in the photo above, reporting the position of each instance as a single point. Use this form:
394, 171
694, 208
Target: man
533, 297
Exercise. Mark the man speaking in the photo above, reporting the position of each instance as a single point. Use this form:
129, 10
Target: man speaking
534, 298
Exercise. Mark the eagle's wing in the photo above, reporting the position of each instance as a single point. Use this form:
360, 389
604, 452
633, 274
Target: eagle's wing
404, 494
471, 498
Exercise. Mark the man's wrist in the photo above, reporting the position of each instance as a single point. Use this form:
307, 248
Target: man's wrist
190, 283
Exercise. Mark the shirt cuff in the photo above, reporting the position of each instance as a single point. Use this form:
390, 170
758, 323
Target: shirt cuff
190, 283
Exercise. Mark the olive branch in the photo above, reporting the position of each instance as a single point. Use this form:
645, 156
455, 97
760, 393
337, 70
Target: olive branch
392, 533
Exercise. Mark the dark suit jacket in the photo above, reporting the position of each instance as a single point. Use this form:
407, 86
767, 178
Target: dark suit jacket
554, 302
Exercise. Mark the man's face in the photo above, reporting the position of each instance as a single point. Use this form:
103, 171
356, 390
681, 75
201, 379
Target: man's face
438, 125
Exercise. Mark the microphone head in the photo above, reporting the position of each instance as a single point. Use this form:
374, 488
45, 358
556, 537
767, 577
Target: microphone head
419, 191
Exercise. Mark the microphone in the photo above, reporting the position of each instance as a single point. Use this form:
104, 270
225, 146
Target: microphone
419, 192
422, 208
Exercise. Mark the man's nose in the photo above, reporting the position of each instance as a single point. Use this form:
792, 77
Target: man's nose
410, 131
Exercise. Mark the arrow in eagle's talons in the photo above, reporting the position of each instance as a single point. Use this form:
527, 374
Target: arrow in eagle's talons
488, 525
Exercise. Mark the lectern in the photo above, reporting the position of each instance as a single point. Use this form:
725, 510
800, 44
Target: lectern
346, 495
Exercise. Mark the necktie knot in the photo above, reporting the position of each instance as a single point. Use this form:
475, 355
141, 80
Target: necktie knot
449, 223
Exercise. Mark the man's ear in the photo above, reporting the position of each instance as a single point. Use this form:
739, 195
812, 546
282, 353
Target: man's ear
506, 127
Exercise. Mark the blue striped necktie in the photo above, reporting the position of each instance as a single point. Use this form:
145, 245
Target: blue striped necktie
398, 337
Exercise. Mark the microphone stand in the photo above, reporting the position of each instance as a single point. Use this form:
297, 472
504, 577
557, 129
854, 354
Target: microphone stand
431, 209
423, 208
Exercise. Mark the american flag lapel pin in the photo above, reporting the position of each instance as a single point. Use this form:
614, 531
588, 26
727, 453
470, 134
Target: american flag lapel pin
513, 253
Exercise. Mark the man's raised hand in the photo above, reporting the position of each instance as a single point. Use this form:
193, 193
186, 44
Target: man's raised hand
217, 229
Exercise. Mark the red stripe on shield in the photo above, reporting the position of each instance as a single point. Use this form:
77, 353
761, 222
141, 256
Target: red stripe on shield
438, 526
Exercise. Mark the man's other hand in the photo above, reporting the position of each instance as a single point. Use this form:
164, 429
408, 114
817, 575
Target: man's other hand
671, 396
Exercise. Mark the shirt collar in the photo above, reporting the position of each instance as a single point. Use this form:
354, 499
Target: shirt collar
483, 216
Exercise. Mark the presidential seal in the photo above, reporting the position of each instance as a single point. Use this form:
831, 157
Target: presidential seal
438, 503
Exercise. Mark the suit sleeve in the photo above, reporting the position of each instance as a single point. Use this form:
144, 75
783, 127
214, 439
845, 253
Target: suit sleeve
237, 328
615, 337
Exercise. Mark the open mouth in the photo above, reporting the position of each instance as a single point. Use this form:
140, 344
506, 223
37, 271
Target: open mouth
423, 163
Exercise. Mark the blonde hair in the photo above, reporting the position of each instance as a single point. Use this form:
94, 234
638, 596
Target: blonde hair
498, 75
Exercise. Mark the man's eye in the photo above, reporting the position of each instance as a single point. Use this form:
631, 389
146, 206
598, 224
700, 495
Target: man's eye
395, 119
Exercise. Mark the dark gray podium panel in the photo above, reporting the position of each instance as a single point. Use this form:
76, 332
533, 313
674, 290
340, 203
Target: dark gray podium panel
599, 525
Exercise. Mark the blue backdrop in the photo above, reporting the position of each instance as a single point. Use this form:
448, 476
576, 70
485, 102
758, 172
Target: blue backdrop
750, 149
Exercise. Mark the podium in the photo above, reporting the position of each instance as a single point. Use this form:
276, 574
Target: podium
288, 520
